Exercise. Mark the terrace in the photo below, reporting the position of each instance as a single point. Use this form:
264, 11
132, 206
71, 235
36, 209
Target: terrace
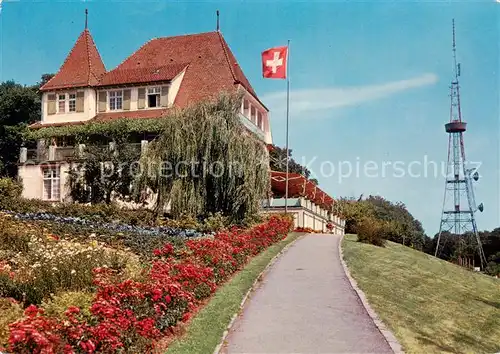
55, 153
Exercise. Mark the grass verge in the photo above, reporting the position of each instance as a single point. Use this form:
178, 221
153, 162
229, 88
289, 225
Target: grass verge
431, 306
206, 328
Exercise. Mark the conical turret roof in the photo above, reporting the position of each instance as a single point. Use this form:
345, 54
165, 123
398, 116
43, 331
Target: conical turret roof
83, 66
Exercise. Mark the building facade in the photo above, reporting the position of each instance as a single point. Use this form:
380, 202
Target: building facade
310, 206
163, 74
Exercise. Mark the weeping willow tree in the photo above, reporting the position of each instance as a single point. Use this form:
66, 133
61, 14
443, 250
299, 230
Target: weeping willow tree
204, 161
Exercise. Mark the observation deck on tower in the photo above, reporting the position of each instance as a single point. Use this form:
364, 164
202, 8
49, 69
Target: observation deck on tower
456, 127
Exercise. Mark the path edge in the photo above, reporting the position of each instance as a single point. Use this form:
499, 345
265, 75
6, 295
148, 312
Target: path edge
258, 279
388, 335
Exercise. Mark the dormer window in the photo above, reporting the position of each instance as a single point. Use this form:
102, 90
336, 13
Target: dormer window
61, 103
153, 94
115, 100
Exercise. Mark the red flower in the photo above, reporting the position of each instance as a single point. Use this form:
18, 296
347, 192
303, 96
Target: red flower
125, 310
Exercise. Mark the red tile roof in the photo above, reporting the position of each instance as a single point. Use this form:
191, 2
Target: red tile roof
238, 74
83, 66
299, 186
142, 74
212, 66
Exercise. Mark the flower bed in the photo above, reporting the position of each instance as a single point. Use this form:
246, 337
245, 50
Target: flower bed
97, 212
140, 240
117, 227
35, 262
112, 216
130, 315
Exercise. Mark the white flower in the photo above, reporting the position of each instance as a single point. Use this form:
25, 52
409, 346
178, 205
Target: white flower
73, 271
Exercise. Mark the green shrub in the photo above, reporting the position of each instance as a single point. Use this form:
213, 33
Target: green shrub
493, 266
373, 231
202, 291
9, 288
214, 222
252, 220
184, 222
59, 303
9, 189
10, 237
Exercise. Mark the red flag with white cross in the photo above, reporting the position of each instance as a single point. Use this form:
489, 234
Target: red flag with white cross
274, 61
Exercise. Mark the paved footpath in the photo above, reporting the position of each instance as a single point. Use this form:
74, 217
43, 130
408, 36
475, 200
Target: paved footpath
305, 304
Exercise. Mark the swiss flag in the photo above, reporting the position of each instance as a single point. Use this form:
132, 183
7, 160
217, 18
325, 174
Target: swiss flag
274, 61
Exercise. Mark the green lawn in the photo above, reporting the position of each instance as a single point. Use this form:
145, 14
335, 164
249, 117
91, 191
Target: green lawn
430, 305
205, 330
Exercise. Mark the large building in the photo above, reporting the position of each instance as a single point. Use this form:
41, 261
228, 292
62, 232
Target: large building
165, 73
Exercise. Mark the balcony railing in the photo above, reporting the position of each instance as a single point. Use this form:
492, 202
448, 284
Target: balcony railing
65, 153
35, 155
252, 127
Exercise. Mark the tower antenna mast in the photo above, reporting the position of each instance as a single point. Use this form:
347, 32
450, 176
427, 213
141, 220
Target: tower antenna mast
459, 205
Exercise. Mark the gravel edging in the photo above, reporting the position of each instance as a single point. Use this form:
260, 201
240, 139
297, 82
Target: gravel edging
388, 335
251, 290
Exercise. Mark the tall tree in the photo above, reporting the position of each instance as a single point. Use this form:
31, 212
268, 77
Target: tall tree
204, 162
277, 158
45, 78
19, 105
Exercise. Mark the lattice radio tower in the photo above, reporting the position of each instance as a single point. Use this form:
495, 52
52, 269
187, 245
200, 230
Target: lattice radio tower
459, 204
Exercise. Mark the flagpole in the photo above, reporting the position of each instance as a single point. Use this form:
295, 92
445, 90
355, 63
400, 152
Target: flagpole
287, 122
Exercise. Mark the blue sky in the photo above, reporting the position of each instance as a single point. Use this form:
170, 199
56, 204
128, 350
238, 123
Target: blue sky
369, 79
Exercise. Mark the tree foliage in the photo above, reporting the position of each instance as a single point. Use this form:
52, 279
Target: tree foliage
45, 78
464, 249
376, 218
104, 171
19, 105
394, 220
277, 161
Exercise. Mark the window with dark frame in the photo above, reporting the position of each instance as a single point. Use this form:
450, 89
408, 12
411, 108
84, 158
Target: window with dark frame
115, 100
61, 103
153, 94
51, 183
72, 102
